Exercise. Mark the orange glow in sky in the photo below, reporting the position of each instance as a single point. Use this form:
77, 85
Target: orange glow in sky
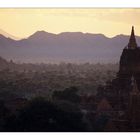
24, 22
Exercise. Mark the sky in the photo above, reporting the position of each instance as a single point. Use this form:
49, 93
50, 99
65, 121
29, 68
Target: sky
110, 22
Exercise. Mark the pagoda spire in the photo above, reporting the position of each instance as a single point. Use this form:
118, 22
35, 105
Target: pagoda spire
132, 41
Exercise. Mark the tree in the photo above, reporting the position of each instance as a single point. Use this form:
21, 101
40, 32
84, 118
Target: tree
69, 94
43, 116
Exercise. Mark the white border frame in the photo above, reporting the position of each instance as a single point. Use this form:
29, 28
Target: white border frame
71, 3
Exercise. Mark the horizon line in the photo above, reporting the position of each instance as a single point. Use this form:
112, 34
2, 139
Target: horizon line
11, 36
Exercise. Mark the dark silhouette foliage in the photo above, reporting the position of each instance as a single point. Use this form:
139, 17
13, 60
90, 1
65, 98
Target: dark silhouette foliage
42, 116
69, 94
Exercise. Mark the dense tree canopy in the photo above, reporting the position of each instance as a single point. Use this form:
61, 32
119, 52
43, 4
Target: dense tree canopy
41, 115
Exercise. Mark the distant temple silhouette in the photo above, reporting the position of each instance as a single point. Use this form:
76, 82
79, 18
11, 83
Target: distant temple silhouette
130, 60
129, 83
123, 93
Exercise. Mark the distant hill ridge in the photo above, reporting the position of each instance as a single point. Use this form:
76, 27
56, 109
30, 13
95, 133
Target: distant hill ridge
64, 47
2, 32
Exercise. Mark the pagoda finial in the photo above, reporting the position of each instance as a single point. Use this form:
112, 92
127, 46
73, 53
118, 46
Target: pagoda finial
132, 41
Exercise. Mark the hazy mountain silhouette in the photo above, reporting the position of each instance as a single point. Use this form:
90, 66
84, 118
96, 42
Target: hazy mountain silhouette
2, 32
68, 46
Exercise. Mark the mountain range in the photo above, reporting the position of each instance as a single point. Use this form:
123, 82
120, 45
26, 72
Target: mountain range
44, 47
8, 35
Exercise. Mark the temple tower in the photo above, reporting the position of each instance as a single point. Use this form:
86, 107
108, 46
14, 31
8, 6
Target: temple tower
132, 41
130, 60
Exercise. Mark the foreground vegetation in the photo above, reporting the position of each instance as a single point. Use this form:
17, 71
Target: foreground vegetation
50, 97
